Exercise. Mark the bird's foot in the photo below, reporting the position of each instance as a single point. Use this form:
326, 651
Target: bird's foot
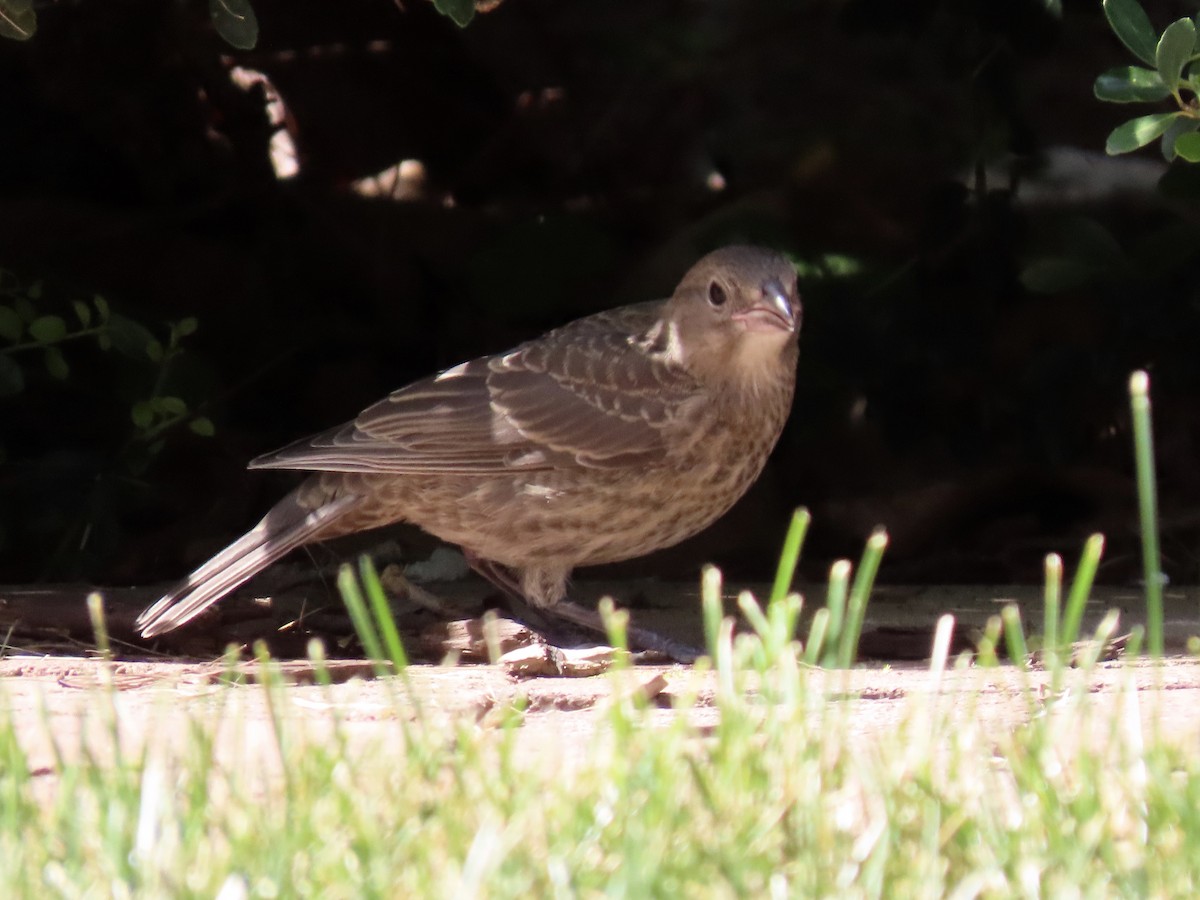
541, 617
639, 638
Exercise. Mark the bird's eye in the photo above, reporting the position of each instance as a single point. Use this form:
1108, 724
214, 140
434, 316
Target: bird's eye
716, 294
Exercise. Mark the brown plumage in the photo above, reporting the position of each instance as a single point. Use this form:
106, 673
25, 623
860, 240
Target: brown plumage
602, 440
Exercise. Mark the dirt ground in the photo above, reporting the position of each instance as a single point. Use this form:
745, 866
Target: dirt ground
563, 715
50, 694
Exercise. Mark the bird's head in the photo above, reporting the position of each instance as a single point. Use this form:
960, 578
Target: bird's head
737, 313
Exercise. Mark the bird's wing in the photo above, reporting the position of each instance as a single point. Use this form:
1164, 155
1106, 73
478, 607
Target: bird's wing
599, 393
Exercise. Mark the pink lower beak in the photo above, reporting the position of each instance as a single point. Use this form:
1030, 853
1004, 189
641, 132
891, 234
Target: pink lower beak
774, 312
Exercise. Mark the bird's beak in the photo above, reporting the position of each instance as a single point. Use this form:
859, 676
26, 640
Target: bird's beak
773, 312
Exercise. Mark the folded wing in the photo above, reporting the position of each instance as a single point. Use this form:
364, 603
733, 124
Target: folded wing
598, 393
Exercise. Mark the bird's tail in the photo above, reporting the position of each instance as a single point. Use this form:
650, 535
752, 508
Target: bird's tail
287, 526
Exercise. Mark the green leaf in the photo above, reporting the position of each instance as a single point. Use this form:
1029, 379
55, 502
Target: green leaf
1174, 50
1187, 146
171, 406
11, 326
154, 350
48, 329
1131, 24
82, 312
17, 19
185, 327
1180, 126
12, 379
1130, 84
102, 309
24, 309
203, 426
235, 22
461, 12
128, 337
1086, 240
142, 414
1138, 132
56, 364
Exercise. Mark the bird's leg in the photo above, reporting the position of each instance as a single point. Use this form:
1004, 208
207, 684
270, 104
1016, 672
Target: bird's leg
499, 576
506, 581
509, 584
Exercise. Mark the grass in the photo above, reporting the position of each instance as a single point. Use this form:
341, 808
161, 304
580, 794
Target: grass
778, 791
768, 780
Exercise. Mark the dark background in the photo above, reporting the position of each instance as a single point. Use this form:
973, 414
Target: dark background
973, 309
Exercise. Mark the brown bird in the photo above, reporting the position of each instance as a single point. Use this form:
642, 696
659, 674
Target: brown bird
602, 440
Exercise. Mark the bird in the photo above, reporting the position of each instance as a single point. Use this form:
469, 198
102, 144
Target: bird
602, 440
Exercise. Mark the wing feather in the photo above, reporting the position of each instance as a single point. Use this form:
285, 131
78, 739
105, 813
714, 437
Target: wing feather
590, 394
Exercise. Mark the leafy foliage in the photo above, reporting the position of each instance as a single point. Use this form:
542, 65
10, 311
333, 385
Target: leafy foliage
234, 20
461, 12
1171, 54
60, 356
17, 19
30, 332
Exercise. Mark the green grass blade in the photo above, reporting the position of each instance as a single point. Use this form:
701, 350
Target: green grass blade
1081, 588
382, 612
790, 554
1094, 649
95, 606
835, 602
783, 618
271, 680
1052, 606
714, 609
1143, 446
988, 641
616, 626
860, 595
753, 614
363, 625
1137, 635
940, 653
816, 636
1014, 635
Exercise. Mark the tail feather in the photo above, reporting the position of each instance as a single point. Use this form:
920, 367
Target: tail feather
287, 526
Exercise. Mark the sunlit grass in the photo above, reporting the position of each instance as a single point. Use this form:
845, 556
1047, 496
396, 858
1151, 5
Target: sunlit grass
781, 788
769, 774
